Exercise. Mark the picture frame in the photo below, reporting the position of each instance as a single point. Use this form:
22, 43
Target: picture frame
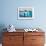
25, 13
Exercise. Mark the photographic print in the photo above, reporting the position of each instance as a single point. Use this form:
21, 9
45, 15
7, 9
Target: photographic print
25, 13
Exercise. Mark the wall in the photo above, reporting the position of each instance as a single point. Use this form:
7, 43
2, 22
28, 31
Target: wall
9, 13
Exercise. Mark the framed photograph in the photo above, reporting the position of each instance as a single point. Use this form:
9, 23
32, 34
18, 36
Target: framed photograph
25, 13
